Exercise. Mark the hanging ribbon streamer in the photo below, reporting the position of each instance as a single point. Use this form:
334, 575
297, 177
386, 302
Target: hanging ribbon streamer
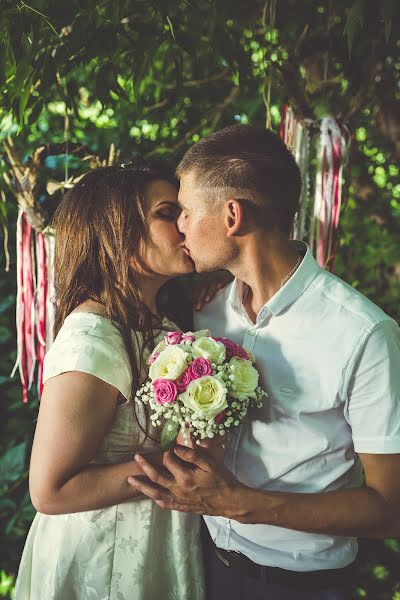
19, 307
25, 306
41, 300
296, 136
328, 191
34, 307
317, 219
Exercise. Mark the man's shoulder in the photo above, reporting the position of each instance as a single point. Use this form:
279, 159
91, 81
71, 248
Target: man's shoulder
349, 302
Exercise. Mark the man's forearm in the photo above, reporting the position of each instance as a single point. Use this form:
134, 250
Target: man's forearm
359, 512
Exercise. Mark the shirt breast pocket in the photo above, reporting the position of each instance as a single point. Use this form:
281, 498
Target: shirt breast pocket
293, 399
284, 399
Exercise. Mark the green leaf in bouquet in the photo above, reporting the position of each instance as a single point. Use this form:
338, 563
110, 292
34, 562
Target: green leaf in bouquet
169, 434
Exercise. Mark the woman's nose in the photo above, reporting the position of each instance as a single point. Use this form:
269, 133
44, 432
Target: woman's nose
179, 223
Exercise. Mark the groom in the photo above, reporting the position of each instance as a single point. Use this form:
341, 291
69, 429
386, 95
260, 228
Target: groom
319, 464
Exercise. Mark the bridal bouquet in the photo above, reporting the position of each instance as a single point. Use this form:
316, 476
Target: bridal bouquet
200, 385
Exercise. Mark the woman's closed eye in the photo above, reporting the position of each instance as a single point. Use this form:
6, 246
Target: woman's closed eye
167, 216
169, 213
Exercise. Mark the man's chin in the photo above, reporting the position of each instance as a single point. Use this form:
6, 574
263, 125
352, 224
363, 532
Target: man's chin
204, 269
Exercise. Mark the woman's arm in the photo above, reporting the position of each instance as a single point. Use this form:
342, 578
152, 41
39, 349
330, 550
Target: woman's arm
76, 412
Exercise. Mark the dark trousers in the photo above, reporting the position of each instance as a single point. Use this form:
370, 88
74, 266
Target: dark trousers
224, 582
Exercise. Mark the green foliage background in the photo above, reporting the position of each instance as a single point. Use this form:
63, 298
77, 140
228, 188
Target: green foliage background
154, 77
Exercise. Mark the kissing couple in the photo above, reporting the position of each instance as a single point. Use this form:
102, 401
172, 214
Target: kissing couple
286, 494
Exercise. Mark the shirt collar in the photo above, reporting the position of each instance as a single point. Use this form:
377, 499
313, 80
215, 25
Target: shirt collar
293, 288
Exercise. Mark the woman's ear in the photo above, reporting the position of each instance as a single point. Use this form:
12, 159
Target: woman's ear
234, 217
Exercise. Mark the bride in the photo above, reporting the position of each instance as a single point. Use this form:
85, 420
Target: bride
94, 537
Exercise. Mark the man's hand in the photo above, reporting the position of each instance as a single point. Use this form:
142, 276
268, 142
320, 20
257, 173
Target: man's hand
208, 285
195, 484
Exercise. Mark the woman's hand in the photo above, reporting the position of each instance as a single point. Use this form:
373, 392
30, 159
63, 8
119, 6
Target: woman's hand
208, 285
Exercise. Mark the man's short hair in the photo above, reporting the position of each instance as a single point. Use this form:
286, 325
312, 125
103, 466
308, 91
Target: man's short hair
250, 164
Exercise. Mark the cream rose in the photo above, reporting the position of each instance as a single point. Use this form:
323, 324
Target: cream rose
170, 364
245, 378
206, 347
206, 394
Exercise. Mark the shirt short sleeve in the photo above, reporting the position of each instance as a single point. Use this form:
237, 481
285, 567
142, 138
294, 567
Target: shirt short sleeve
373, 396
90, 344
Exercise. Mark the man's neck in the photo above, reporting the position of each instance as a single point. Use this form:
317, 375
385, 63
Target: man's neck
263, 265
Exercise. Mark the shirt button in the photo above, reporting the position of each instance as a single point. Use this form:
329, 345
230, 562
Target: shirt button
235, 308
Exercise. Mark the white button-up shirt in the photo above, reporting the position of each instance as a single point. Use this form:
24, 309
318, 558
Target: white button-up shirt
330, 362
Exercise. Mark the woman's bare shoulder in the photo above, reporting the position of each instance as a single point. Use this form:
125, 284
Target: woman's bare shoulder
90, 306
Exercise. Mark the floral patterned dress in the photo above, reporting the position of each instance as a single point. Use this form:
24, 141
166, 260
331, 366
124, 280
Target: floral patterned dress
132, 551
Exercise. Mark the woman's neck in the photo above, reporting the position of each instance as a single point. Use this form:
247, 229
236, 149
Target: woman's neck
149, 288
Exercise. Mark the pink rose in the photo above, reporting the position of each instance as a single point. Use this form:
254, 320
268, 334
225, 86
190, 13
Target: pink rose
173, 337
232, 348
200, 367
165, 391
153, 357
188, 338
183, 380
220, 417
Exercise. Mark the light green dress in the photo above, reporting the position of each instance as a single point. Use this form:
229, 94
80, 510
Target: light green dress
131, 551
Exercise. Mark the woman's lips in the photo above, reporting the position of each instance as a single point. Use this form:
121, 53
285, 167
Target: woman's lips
186, 249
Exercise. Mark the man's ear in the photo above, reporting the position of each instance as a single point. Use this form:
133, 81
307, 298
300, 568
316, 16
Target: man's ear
234, 217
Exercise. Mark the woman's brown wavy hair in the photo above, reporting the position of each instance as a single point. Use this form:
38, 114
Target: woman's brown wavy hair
100, 225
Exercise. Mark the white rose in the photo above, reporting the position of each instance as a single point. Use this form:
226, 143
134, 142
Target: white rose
206, 347
206, 394
245, 378
169, 364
